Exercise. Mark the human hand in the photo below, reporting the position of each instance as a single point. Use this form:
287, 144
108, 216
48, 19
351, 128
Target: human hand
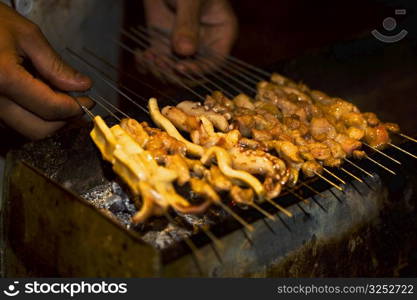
194, 25
34, 106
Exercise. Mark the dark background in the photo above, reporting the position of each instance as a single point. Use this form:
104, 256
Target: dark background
272, 30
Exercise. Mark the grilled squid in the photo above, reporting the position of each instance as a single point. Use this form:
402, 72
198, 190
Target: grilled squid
162, 122
224, 162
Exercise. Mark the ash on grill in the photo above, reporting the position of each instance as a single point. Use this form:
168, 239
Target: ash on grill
111, 199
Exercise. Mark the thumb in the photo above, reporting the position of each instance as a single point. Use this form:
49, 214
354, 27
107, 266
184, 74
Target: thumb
51, 66
185, 35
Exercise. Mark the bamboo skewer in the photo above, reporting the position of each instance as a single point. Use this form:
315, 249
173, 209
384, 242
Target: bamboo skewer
189, 242
328, 181
211, 57
311, 189
352, 175
359, 168
211, 236
279, 207
296, 195
382, 153
170, 76
131, 76
334, 175
228, 57
111, 105
171, 64
262, 211
238, 218
142, 33
402, 150
381, 165
407, 137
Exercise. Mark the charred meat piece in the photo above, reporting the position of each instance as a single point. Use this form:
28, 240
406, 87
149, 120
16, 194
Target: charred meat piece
180, 119
392, 127
256, 162
195, 109
371, 118
377, 137
219, 181
321, 129
243, 101
359, 154
241, 196
348, 144
310, 167
319, 151
272, 187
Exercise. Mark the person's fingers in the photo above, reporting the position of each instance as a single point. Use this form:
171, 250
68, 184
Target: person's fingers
140, 62
158, 14
221, 26
84, 101
49, 64
25, 122
185, 35
222, 38
190, 66
218, 34
33, 94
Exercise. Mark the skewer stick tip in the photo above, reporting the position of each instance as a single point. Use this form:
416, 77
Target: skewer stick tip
382, 153
352, 175
402, 150
407, 137
212, 237
359, 168
334, 175
381, 165
264, 212
238, 218
311, 189
328, 181
280, 208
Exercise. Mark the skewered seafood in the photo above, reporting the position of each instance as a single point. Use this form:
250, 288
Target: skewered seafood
254, 161
140, 170
150, 161
223, 157
196, 109
303, 126
286, 128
